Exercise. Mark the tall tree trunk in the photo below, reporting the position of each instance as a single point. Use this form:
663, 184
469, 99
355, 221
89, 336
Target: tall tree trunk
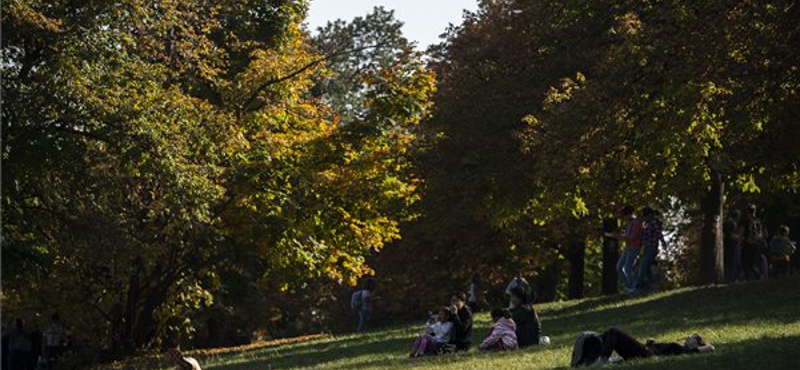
610, 256
576, 254
712, 260
548, 283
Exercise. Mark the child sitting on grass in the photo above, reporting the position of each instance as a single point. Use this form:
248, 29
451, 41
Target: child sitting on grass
436, 334
502, 336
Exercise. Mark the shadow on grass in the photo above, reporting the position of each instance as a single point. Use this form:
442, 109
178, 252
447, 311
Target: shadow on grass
699, 308
643, 316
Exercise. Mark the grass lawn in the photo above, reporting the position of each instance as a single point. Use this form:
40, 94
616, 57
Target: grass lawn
753, 326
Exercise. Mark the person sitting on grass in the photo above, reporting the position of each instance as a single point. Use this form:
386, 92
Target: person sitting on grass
437, 334
502, 336
597, 349
462, 322
182, 362
529, 328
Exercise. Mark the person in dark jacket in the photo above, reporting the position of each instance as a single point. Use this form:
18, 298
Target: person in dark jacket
529, 328
462, 322
627, 347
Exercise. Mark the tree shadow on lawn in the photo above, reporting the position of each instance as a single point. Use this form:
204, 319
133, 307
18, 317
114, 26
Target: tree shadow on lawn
645, 316
757, 353
772, 289
695, 309
322, 353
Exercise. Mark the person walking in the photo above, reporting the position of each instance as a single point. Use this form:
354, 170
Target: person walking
652, 235
632, 236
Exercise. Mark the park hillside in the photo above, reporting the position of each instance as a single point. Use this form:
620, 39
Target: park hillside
753, 326
211, 174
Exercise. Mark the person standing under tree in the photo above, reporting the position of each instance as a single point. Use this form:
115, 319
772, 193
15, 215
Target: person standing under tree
53, 341
781, 249
732, 241
633, 243
754, 243
651, 237
475, 295
19, 346
361, 302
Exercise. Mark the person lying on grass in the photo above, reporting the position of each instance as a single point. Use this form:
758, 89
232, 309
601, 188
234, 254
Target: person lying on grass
597, 349
502, 336
182, 362
436, 334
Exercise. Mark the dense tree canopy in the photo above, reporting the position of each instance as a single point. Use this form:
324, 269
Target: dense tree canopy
164, 160
551, 115
207, 169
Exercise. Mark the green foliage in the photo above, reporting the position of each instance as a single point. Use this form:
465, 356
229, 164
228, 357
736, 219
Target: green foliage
552, 115
166, 164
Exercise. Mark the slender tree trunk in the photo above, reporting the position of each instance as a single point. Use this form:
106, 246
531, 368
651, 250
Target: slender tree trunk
712, 260
610, 256
576, 254
548, 284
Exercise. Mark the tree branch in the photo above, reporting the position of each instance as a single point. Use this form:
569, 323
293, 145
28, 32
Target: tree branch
254, 95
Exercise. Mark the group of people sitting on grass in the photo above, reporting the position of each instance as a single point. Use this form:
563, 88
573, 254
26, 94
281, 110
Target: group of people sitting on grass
450, 329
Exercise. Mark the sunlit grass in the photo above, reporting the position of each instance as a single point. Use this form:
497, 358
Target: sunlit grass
754, 326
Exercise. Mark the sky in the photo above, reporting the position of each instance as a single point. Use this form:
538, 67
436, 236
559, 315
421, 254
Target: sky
424, 20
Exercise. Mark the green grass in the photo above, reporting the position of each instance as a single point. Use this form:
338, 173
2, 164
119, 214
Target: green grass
753, 326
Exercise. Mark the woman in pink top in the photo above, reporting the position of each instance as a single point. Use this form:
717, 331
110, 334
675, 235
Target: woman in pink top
502, 336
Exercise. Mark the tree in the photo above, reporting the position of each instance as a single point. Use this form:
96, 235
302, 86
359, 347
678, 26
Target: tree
166, 162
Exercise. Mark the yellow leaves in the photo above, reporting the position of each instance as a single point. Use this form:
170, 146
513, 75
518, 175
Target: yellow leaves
747, 183
565, 92
22, 11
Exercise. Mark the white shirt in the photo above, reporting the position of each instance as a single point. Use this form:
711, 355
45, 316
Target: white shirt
366, 305
191, 361
442, 331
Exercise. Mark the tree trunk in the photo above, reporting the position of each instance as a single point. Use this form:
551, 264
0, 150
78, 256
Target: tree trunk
548, 283
610, 256
576, 254
712, 260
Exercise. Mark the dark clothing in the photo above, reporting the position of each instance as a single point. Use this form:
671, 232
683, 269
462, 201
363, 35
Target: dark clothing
462, 329
626, 346
629, 348
669, 349
529, 328
754, 245
733, 250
